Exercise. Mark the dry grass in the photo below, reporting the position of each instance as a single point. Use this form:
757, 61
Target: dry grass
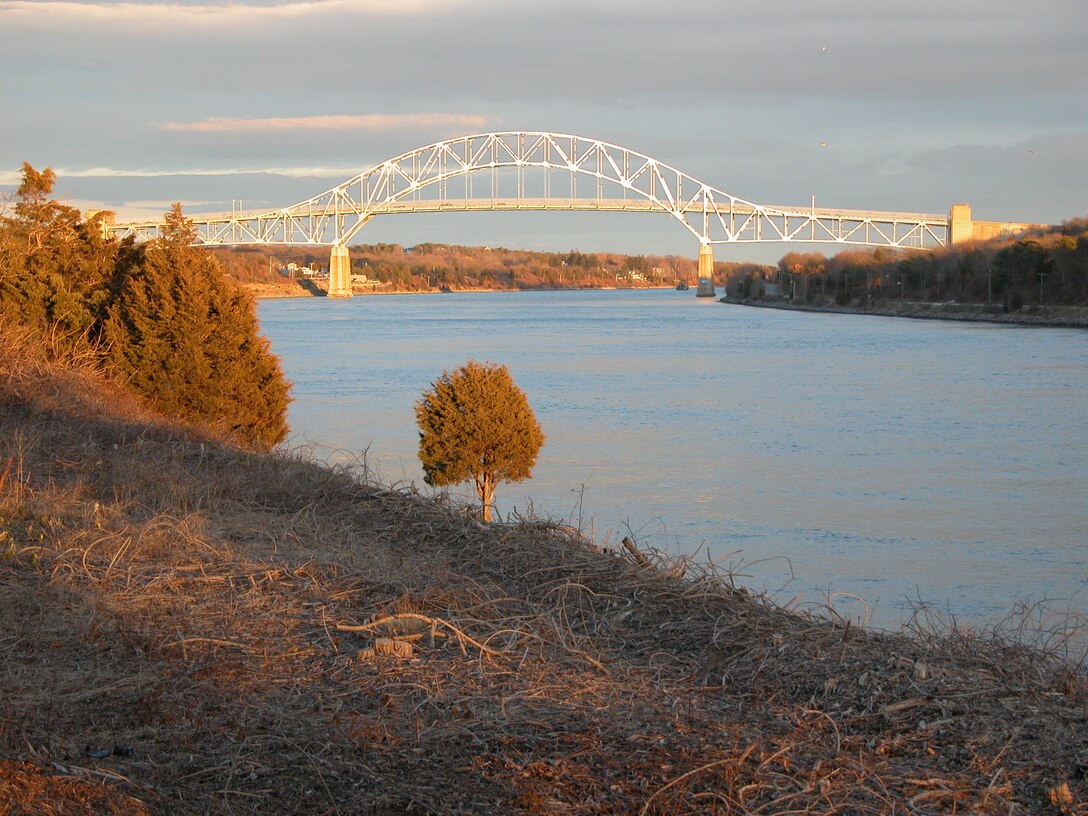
201, 630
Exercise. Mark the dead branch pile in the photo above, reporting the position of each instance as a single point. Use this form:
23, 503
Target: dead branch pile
202, 630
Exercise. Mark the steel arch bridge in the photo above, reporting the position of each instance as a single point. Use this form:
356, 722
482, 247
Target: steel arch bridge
535, 170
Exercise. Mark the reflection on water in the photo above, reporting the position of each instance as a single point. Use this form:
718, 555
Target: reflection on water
890, 459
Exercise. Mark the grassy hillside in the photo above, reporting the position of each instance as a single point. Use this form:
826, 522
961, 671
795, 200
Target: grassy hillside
192, 628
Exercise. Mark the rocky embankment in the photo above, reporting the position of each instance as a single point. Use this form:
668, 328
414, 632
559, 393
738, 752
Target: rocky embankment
286, 287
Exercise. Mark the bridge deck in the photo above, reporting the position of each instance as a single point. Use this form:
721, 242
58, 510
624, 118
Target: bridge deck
557, 204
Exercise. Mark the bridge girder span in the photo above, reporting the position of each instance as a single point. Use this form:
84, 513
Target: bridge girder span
523, 170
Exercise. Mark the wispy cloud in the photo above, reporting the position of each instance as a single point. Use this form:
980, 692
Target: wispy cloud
72, 11
14, 177
373, 121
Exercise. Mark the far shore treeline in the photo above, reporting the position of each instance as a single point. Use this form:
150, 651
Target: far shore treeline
160, 317
1044, 266
430, 266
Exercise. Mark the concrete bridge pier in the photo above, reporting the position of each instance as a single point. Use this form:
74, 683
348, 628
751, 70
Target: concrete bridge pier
340, 272
706, 271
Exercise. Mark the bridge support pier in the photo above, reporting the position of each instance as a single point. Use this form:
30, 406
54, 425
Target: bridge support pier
706, 272
340, 272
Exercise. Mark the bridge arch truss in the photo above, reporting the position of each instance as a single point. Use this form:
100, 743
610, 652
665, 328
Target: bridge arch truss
534, 170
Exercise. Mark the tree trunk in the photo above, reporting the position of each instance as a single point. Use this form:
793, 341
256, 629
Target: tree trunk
485, 486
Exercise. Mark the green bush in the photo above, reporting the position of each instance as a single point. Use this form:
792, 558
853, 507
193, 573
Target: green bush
162, 313
187, 339
475, 423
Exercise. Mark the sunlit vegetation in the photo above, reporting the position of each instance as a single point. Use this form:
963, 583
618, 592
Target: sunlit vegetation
160, 317
1045, 267
429, 266
54, 267
475, 423
1039, 268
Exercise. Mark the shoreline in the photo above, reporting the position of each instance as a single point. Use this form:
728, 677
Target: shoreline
1065, 317
292, 289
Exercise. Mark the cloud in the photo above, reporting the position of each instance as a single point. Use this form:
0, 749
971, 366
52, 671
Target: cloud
373, 121
14, 178
609, 52
739, 95
69, 12
142, 210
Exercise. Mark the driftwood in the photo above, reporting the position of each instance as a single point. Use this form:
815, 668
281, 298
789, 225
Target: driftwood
636, 553
1060, 794
387, 647
398, 621
904, 705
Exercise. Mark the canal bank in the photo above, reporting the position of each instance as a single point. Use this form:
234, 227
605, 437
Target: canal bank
1052, 316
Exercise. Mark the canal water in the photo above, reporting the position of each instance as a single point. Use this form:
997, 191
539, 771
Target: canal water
818, 456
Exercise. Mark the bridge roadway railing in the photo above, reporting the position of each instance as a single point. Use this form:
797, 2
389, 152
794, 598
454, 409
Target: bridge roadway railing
742, 222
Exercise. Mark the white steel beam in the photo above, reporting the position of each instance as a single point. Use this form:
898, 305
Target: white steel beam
419, 181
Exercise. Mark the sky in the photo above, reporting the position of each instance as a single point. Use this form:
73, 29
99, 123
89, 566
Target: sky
864, 104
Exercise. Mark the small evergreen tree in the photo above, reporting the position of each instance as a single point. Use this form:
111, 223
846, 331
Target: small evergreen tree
53, 266
475, 423
187, 338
